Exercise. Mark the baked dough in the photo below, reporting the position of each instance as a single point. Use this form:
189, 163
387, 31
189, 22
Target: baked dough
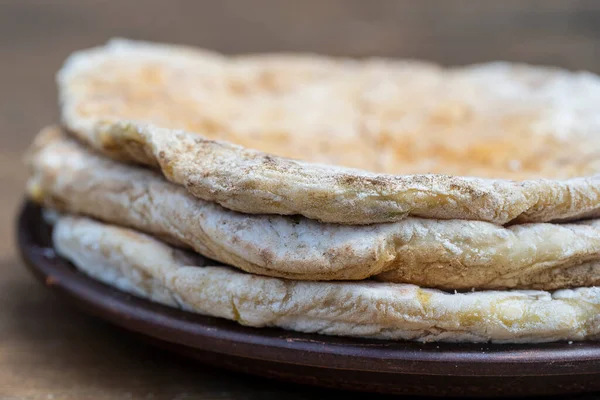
345, 141
450, 254
139, 264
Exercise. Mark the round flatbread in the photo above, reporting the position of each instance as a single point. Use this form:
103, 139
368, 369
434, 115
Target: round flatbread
449, 254
141, 265
345, 141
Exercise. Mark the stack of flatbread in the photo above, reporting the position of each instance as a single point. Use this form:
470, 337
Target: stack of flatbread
374, 198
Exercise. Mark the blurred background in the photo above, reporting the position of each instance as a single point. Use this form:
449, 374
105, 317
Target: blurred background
46, 346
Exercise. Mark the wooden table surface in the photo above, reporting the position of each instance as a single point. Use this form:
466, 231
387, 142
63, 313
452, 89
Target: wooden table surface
48, 350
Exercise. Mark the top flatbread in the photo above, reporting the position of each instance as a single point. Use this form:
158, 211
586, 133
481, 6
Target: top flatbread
342, 140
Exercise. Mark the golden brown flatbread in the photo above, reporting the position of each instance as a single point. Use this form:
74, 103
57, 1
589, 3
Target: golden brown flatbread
378, 139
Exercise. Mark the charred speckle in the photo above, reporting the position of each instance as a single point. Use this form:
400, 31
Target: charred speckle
361, 180
347, 180
268, 160
467, 189
267, 256
273, 163
376, 181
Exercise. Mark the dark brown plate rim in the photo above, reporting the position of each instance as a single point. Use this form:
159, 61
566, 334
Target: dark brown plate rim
280, 346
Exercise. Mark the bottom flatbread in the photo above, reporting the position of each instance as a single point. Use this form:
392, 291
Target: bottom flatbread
139, 264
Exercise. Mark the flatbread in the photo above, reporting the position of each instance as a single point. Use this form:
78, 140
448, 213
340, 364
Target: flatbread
379, 140
451, 254
141, 265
